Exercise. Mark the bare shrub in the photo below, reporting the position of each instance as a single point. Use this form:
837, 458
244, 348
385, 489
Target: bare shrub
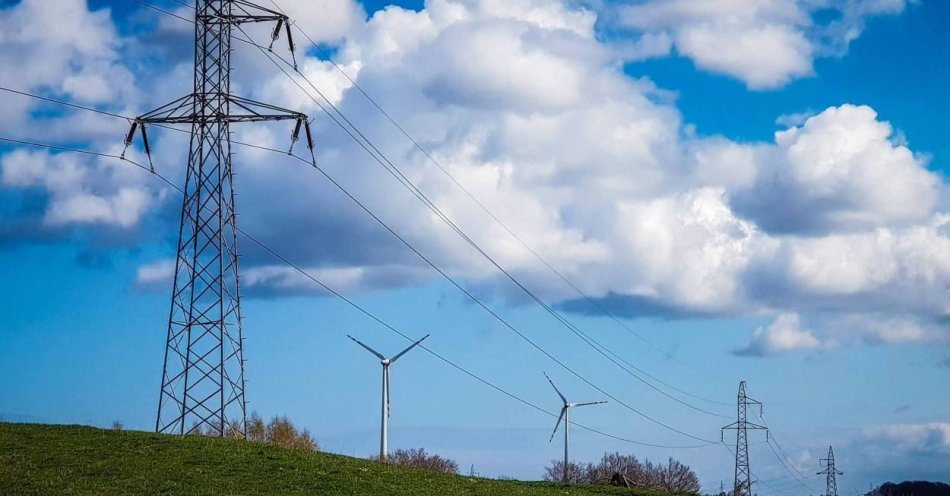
617, 468
677, 478
614, 464
576, 473
117, 425
418, 458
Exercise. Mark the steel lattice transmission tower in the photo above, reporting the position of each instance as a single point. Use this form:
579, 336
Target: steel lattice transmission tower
203, 375
743, 484
831, 473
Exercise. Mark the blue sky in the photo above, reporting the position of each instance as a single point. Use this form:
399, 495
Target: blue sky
633, 145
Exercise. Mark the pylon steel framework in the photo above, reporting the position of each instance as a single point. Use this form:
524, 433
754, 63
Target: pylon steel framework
743, 484
831, 473
203, 384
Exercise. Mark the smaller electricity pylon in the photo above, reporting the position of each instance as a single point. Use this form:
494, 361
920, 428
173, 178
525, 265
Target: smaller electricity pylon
831, 473
743, 484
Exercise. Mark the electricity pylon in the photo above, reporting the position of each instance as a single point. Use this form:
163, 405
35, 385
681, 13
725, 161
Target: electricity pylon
203, 381
831, 473
743, 484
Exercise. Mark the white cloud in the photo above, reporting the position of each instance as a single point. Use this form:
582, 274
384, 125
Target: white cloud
689, 249
124, 208
764, 43
81, 191
67, 49
931, 438
785, 334
595, 170
840, 171
158, 274
326, 21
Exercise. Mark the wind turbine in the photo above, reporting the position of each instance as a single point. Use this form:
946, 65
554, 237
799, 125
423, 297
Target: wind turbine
384, 430
566, 415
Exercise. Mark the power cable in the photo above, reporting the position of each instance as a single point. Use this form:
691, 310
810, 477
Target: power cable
381, 158
344, 298
491, 214
366, 144
445, 275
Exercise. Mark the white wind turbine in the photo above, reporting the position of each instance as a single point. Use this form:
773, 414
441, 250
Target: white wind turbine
384, 430
566, 415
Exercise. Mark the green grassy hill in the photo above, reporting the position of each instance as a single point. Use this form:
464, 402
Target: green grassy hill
73, 460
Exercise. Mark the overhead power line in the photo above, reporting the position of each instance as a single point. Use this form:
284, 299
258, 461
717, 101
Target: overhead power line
370, 148
560, 275
344, 298
347, 126
379, 157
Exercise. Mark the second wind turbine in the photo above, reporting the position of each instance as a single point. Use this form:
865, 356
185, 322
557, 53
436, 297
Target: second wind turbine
566, 415
384, 428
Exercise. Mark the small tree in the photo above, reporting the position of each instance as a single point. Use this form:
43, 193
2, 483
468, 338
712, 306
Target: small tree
280, 431
418, 458
256, 430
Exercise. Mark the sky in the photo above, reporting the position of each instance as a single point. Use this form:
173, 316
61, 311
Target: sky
745, 190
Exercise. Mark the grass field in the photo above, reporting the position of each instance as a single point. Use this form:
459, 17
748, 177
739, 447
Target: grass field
73, 460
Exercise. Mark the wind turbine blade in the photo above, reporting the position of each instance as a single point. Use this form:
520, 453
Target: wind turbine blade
357, 341
590, 403
387, 392
558, 424
403, 352
555, 388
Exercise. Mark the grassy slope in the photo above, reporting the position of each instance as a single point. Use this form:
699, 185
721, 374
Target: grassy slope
42, 459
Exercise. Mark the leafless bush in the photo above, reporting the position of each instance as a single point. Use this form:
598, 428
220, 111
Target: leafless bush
614, 468
612, 464
117, 425
677, 478
418, 458
576, 473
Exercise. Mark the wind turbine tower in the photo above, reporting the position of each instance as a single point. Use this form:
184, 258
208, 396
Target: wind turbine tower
386, 362
566, 415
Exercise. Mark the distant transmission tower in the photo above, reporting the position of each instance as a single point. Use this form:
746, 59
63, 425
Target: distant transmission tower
202, 386
831, 473
743, 485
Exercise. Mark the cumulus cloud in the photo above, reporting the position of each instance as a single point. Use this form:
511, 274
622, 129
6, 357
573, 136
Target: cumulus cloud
833, 221
81, 191
840, 171
933, 438
69, 50
785, 334
764, 43
277, 280
156, 275
908, 451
